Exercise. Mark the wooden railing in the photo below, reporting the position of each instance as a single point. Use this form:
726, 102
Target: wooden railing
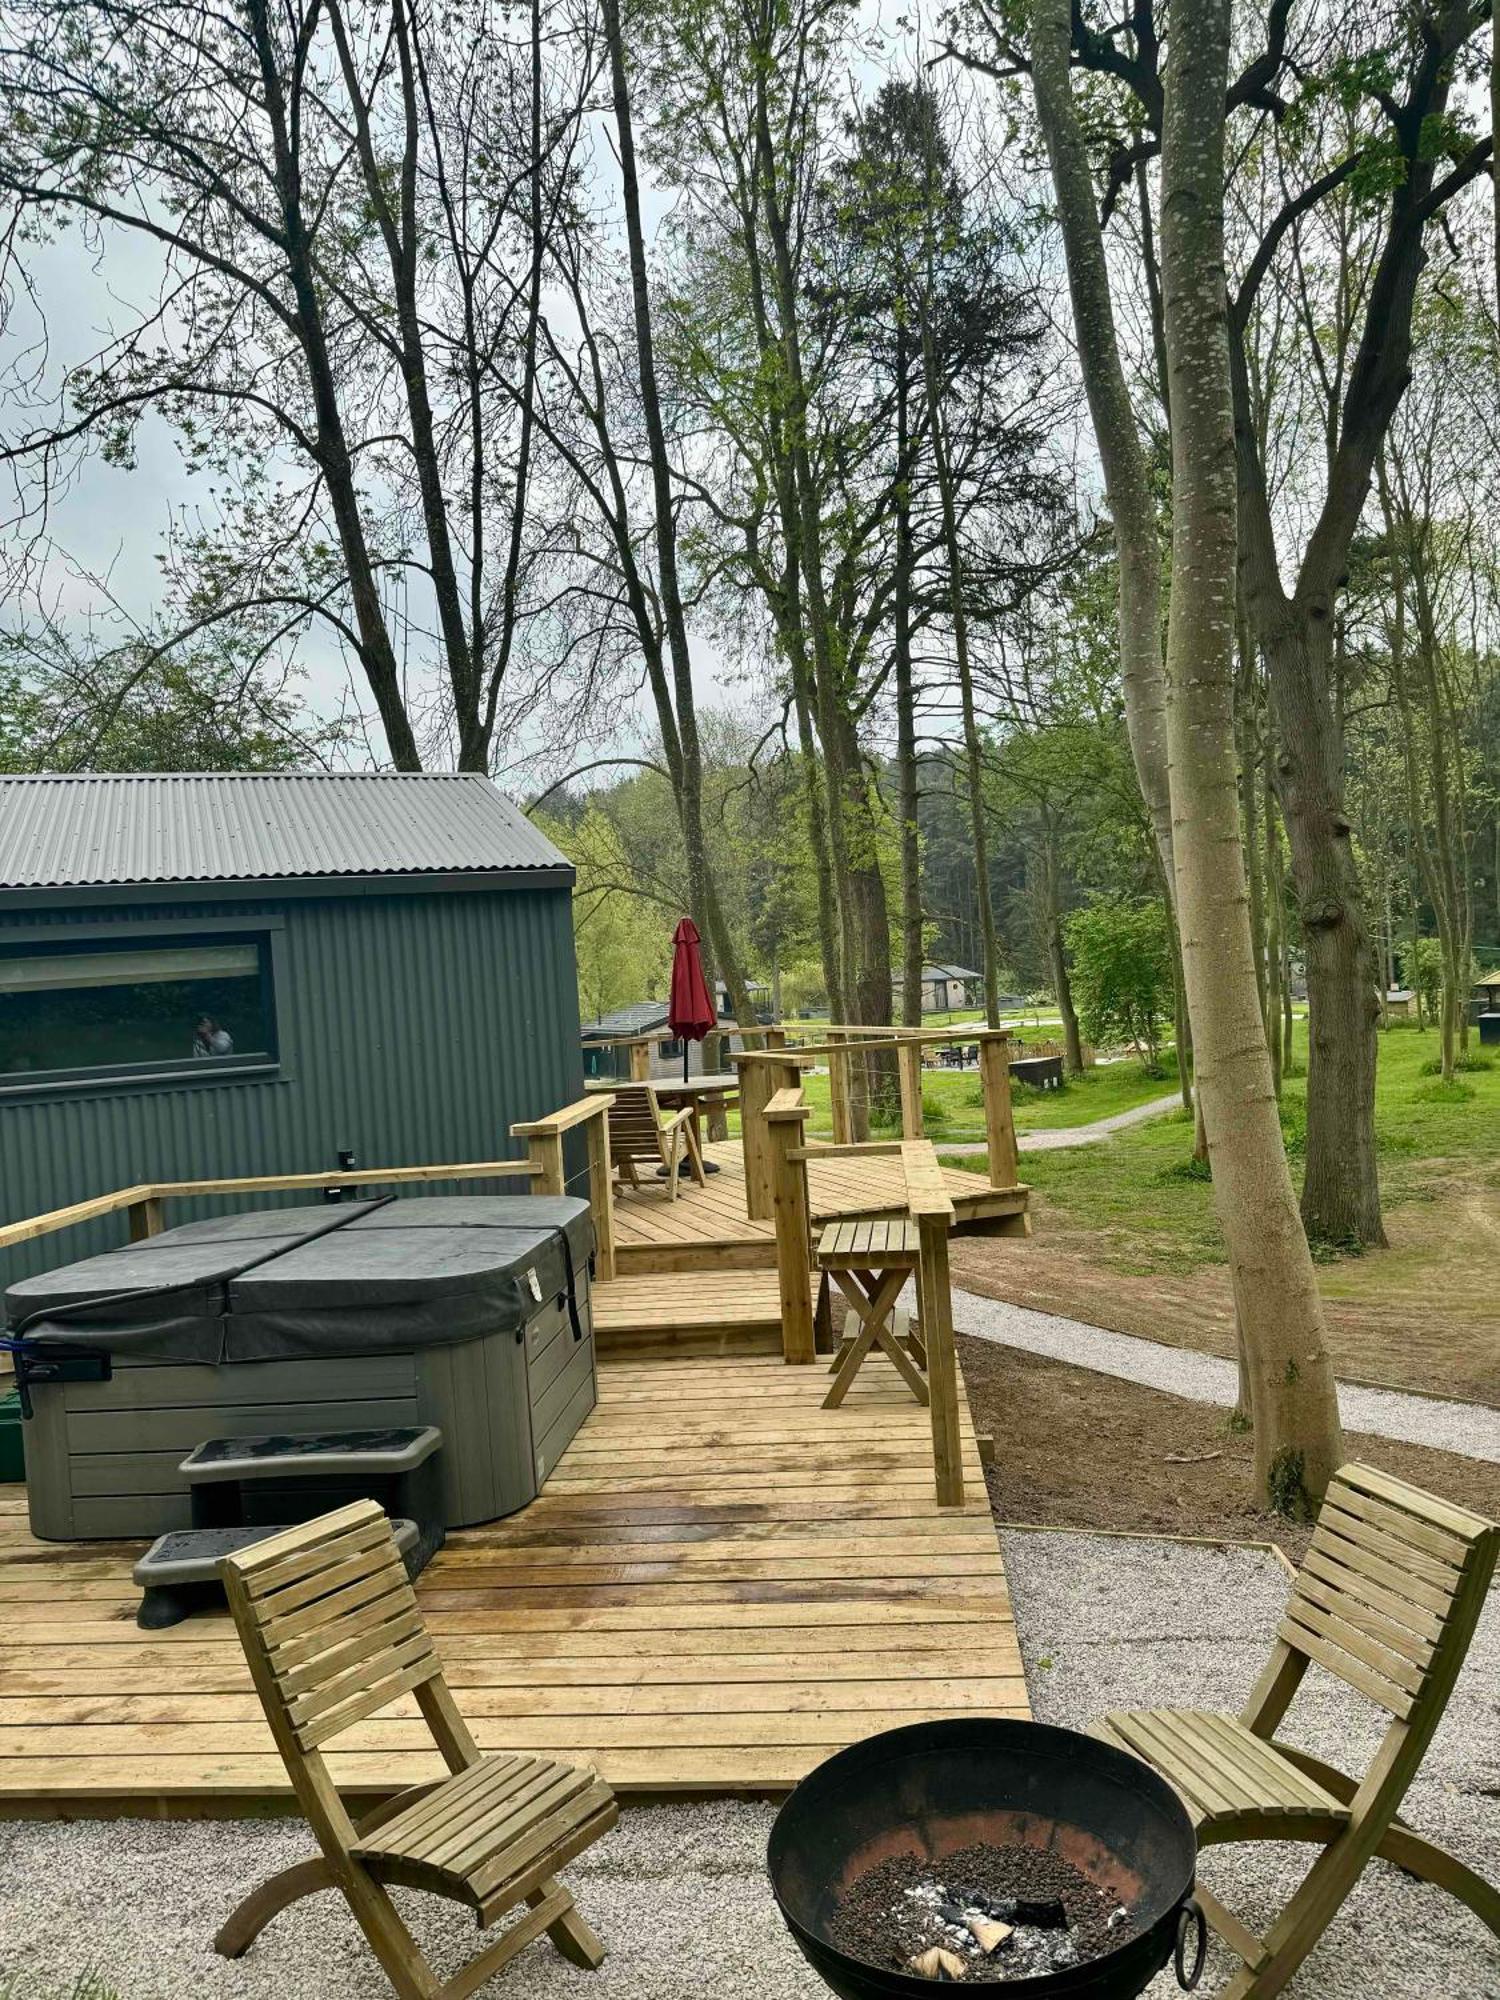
763, 1073
544, 1143
929, 1206
144, 1204
772, 1033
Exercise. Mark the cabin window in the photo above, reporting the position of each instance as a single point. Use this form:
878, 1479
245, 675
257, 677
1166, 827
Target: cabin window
199, 1005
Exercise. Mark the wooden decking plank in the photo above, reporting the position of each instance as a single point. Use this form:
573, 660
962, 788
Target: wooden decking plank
720, 1585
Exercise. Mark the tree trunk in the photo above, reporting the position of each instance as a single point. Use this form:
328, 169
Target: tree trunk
686, 765
958, 613
907, 768
1126, 478
1341, 1188
1062, 984
1297, 1437
1275, 905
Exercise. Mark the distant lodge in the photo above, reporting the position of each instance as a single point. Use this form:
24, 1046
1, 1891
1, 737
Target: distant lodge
608, 1040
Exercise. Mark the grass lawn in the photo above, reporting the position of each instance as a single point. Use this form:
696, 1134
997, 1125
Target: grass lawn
953, 1105
1126, 1234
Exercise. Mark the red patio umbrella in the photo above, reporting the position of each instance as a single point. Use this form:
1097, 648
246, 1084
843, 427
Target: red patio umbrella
690, 1008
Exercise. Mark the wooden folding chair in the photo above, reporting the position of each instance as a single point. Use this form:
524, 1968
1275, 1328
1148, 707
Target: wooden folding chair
639, 1130
332, 1632
1387, 1599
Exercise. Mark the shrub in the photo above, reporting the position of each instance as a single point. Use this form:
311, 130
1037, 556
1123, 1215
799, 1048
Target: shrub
1122, 973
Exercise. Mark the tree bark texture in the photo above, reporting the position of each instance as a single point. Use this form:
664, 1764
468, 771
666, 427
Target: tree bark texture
1126, 481
1295, 1406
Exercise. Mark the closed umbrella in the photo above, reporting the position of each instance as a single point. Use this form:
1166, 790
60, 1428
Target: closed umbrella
690, 1007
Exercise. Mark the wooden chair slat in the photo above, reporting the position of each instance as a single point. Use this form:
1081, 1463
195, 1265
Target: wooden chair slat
360, 1622
293, 1568
375, 1628
381, 1691
580, 1805
1461, 1521
276, 1607
1404, 1530
1343, 1605
305, 1621
1418, 1577
495, 1793
308, 1535
367, 1667
1331, 1651
446, 1802
492, 1831
1364, 1591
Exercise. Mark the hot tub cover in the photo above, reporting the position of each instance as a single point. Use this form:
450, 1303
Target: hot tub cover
426, 1270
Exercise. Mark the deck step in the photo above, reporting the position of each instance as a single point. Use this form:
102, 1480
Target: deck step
689, 1312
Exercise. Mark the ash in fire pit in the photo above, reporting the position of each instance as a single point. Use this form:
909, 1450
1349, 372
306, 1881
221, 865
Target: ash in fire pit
994, 1913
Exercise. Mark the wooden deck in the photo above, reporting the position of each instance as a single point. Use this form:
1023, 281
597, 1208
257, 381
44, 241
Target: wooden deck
709, 1225
721, 1584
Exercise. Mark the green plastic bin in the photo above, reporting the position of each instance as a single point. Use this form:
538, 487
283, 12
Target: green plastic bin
12, 1462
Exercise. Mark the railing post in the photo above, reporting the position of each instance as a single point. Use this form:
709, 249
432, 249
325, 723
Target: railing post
602, 1192
755, 1093
145, 1218
936, 1296
640, 1062
929, 1206
909, 1060
545, 1150
838, 1090
784, 1122
999, 1121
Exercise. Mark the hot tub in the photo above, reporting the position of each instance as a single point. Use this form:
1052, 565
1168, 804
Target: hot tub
469, 1312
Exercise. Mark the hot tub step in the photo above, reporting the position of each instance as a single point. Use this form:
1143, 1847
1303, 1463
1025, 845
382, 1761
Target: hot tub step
179, 1573
287, 1477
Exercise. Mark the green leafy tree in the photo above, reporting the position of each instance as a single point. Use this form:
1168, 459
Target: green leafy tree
1122, 973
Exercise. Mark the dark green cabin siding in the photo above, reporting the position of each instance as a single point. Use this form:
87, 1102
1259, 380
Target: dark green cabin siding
415, 1028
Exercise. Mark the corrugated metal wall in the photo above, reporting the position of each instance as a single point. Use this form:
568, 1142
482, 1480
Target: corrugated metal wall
416, 1028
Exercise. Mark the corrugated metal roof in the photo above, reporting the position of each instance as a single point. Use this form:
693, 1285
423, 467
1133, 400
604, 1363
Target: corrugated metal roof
120, 831
637, 1019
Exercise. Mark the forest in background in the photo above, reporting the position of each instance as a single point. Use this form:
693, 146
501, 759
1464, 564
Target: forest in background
775, 445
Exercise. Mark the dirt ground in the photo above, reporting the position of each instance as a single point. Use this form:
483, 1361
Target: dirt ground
1078, 1450
1424, 1314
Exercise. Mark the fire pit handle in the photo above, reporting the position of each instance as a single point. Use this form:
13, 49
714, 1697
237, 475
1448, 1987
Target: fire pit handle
1189, 1916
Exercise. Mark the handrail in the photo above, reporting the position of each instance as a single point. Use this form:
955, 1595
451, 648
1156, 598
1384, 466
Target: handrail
145, 1192
874, 1038
143, 1201
664, 1034
593, 1106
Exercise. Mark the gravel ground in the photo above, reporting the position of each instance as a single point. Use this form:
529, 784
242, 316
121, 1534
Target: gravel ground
679, 1891
1470, 1429
1108, 1624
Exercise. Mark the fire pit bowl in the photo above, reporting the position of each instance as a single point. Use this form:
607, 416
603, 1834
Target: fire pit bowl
935, 1788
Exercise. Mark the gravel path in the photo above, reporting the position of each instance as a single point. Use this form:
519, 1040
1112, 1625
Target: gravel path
1073, 1135
1107, 1624
679, 1891
1470, 1429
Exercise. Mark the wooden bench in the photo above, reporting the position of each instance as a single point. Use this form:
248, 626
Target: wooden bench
870, 1262
332, 1634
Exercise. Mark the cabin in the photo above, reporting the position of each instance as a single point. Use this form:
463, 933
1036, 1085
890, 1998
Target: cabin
211, 975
